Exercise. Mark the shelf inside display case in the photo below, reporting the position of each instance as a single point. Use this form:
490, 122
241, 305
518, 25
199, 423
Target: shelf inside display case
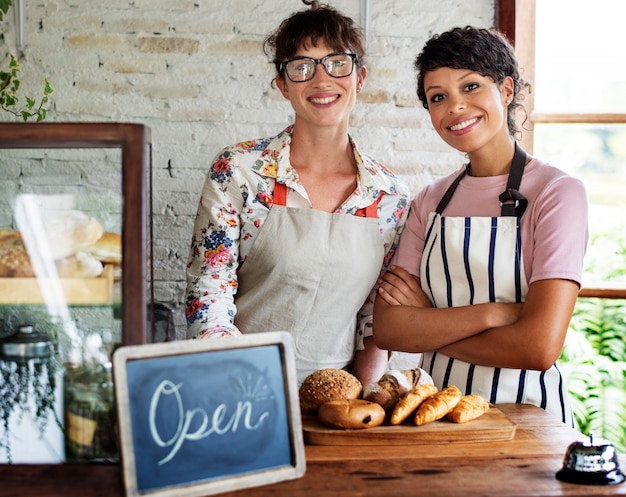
72, 291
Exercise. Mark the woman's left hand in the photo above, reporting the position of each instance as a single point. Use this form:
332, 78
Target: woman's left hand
399, 287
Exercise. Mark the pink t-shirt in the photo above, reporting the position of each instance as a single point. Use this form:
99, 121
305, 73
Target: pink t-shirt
554, 226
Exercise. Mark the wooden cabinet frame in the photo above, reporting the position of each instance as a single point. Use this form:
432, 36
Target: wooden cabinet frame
134, 141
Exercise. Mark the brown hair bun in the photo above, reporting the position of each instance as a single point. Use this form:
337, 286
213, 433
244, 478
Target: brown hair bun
351, 414
325, 385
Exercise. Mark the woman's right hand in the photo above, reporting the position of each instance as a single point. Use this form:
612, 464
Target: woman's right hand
399, 287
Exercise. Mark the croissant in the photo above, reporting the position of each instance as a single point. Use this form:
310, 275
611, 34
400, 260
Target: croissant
409, 402
469, 407
438, 405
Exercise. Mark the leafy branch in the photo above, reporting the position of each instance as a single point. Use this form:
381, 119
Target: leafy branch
10, 85
4, 6
9, 100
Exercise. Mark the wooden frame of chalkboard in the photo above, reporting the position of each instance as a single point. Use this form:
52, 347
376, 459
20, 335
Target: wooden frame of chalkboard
202, 417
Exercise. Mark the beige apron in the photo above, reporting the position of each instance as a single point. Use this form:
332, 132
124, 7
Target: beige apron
308, 273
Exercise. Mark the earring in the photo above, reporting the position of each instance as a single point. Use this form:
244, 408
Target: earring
358, 88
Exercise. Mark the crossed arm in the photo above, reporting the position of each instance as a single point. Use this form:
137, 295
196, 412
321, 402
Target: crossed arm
520, 336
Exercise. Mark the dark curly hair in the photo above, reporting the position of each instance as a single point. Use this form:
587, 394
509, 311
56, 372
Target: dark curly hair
481, 50
319, 23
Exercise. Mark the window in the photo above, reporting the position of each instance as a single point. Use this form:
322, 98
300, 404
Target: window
577, 122
577, 112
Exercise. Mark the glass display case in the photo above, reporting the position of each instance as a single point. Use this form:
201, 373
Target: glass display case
75, 280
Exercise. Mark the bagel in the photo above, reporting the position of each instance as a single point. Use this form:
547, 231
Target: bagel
351, 414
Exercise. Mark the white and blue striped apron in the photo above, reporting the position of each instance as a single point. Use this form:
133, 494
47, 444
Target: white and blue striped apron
472, 260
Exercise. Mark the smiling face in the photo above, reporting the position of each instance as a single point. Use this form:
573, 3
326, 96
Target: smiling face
468, 110
323, 100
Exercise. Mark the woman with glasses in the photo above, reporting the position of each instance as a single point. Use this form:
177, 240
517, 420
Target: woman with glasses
292, 231
488, 270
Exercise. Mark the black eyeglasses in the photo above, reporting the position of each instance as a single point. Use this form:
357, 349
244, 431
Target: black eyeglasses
301, 69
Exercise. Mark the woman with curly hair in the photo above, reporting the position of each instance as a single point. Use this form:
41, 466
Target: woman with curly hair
490, 262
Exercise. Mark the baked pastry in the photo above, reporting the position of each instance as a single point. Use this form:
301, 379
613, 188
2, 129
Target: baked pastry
65, 235
438, 405
351, 414
410, 401
325, 385
393, 385
79, 265
14, 259
69, 232
108, 248
469, 407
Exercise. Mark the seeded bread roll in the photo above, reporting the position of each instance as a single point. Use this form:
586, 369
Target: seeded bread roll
14, 259
351, 414
325, 385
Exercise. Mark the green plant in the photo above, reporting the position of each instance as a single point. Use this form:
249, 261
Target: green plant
4, 7
22, 381
28, 386
594, 357
10, 86
596, 380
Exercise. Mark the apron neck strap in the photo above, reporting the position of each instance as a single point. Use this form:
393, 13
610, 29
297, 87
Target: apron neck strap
280, 194
512, 202
451, 189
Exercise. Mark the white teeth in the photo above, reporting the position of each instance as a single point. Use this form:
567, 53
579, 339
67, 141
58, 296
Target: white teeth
326, 100
464, 124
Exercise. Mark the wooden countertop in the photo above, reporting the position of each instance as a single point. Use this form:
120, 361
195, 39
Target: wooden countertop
524, 466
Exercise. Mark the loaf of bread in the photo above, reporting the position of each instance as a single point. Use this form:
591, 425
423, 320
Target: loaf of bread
325, 385
14, 259
438, 405
351, 414
79, 265
108, 248
469, 407
393, 385
68, 232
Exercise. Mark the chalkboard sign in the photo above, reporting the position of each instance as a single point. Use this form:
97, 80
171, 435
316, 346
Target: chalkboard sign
201, 417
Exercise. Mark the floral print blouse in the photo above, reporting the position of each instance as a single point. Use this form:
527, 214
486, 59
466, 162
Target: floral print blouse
235, 201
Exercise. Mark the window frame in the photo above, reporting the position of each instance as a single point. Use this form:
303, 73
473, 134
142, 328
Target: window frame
516, 20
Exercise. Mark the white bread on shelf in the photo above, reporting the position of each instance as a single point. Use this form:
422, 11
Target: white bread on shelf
65, 238
108, 248
69, 232
79, 265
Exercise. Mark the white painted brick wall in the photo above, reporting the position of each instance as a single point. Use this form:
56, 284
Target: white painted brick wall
194, 71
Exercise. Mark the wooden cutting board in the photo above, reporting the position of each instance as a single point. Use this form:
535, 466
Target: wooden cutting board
491, 426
